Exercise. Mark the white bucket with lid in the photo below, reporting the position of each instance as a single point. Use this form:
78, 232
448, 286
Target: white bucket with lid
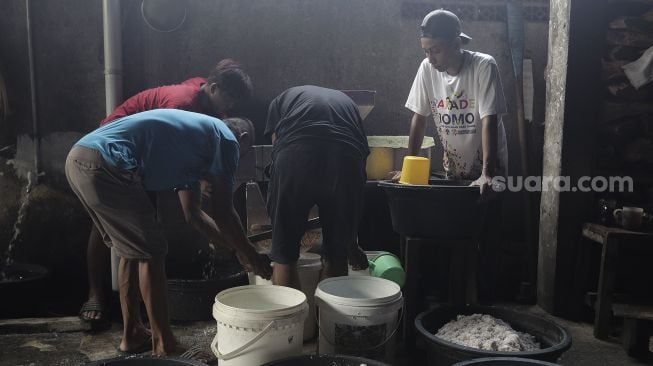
309, 266
358, 315
258, 324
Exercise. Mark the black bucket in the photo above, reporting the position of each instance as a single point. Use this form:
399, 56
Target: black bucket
192, 300
553, 338
442, 209
22, 286
325, 360
505, 361
138, 360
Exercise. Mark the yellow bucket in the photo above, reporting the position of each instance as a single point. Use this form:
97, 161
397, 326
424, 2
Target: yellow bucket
379, 163
415, 170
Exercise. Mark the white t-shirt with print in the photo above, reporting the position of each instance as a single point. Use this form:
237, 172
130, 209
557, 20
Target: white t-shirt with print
457, 104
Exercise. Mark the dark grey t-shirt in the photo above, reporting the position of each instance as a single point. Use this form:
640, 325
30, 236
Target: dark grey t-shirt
311, 114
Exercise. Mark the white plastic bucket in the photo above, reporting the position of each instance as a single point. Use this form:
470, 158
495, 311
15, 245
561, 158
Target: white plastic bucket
358, 315
372, 254
309, 266
258, 324
363, 272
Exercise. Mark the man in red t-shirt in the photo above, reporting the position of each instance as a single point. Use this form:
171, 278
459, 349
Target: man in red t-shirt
217, 95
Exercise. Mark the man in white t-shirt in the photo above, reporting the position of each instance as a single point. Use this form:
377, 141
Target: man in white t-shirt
461, 90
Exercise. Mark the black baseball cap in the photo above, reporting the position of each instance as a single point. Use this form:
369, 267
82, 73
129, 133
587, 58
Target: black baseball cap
442, 24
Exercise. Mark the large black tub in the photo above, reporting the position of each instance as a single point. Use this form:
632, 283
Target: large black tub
139, 360
553, 338
325, 360
191, 300
443, 209
505, 361
22, 286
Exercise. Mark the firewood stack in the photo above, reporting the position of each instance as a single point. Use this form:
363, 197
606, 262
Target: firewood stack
626, 123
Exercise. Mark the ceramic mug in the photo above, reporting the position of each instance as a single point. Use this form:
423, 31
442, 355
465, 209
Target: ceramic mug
629, 217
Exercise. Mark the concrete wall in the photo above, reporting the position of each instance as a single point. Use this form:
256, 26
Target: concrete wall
341, 44
67, 43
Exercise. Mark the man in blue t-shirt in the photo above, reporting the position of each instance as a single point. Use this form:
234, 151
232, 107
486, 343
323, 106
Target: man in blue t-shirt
112, 168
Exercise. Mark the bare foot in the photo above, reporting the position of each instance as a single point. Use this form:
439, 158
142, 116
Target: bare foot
139, 341
170, 348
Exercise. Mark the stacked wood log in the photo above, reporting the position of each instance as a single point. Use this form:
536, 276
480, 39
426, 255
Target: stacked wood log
626, 125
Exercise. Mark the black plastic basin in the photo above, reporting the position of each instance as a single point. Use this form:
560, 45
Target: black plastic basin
553, 338
22, 286
191, 300
21, 273
444, 209
505, 361
325, 360
139, 360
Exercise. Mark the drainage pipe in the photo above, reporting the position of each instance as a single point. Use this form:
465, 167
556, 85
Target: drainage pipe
112, 81
32, 84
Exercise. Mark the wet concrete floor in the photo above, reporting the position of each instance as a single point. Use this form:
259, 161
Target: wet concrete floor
68, 343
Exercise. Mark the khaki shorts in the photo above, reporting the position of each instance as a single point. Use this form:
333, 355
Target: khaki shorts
118, 204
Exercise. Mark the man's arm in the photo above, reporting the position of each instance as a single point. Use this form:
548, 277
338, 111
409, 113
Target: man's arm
489, 134
415, 139
417, 128
228, 222
491, 105
229, 233
193, 214
489, 147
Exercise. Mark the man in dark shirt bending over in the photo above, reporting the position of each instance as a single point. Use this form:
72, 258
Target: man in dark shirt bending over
318, 158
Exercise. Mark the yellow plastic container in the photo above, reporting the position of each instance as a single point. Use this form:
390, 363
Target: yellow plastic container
387, 154
379, 163
415, 170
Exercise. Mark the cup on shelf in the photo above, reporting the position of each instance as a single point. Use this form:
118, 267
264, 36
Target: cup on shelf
629, 217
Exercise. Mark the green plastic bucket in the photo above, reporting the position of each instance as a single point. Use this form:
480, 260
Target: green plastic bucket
388, 266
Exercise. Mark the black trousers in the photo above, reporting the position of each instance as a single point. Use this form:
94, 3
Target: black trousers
329, 175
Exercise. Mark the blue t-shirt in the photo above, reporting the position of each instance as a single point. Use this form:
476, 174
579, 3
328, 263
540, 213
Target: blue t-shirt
170, 148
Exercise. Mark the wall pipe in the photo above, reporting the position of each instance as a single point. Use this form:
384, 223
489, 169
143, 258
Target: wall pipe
32, 84
112, 81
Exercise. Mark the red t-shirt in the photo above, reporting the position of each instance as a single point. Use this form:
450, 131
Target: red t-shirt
178, 96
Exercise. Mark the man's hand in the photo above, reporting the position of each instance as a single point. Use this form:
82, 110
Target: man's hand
257, 263
357, 258
484, 182
206, 188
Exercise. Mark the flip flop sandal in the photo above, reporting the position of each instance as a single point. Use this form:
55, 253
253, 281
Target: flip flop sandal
93, 305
